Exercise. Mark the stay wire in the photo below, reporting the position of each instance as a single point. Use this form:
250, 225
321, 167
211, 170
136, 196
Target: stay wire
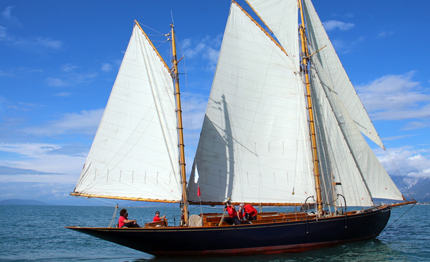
398, 218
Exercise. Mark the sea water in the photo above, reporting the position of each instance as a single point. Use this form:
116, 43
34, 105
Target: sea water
37, 233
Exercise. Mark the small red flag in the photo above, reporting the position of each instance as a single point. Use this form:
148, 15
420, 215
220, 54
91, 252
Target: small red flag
198, 192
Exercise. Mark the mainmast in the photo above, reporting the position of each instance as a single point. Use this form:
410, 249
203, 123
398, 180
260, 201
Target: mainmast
305, 62
181, 145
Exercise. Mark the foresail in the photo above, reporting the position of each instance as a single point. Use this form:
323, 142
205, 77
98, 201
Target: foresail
337, 77
281, 17
338, 170
135, 151
364, 169
254, 145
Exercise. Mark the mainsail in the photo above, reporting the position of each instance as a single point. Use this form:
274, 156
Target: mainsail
254, 145
135, 151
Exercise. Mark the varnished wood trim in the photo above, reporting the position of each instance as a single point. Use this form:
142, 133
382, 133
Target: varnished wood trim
124, 198
252, 203
262, 29
155, 49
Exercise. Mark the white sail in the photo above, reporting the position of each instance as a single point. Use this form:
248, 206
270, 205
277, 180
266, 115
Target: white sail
348, 110
135, 150
367, 169
337, 77
281, 17
254, 145
336, 161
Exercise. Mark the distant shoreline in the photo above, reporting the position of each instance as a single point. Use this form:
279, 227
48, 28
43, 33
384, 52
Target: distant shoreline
22, 202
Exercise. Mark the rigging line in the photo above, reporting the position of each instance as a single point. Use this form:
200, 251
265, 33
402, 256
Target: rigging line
161, 43
188, 118
113, 216
151, 28
326, 152
331, 151
343, 118
101, 200
398, 218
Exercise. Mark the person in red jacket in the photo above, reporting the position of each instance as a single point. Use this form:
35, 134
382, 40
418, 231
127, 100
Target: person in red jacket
157, 217
123, 220
232, 218
249, 211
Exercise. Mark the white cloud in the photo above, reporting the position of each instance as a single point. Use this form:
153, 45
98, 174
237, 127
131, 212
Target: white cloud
415, 125
106, 67
85, 122
194, 107
82, 78
51, 81
68, 67
405, 161
395, 97
206, 48
63, 94
347, 15
48, 42
385, 34
395, 137
3, 33
333, 25
42, 157
70, 77
7, 16
7, 12
5, 74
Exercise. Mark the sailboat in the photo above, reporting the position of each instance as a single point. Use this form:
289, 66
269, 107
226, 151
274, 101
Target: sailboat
283, 127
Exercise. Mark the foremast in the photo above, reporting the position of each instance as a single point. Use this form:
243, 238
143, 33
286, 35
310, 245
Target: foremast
304, 64
175, 75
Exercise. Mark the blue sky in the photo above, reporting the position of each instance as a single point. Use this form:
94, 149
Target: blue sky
59, 60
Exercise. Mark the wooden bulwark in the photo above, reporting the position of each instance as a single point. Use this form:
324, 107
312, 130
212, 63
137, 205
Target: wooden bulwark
213, 219
253, 204
162, 223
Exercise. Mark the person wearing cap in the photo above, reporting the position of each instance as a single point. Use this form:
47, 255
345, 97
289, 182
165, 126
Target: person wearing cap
232, 218
249, 212
157, 217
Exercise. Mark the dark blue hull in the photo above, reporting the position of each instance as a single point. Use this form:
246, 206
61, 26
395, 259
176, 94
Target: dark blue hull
247, 239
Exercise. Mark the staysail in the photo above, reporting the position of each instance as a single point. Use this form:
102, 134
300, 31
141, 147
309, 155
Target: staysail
337, 76
329, 76
254, 145
135, 151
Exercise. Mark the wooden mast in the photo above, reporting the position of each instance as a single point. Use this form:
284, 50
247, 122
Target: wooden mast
181, 145
305, 62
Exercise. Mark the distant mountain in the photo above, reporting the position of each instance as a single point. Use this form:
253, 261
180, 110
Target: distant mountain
417, 187
421, 190
21, 202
